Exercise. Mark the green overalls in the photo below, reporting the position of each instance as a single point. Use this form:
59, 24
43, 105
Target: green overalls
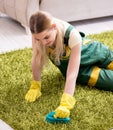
96, 63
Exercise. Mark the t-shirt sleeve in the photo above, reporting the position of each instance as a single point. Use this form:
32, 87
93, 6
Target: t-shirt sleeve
74, 38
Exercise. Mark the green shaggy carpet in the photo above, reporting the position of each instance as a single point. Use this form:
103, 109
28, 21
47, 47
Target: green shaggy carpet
93, 110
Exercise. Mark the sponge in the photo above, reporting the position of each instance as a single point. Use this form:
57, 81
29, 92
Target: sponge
50, 118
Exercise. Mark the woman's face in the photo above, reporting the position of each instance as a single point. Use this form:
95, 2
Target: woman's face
46, 37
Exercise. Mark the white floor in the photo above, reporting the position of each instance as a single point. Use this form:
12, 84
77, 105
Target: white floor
4, 126
14, 37
95, 25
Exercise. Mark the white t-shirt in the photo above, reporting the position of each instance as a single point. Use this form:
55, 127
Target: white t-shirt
74, 37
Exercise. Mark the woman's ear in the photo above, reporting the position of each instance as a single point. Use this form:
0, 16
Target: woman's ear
54, 26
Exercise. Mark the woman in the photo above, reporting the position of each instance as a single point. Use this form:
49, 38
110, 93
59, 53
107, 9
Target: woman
78, 58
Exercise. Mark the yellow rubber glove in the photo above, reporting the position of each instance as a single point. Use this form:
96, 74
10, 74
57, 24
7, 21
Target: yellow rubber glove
34, 91
66, 104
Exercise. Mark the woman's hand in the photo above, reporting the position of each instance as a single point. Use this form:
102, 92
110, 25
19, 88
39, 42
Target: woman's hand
34, 91
66, 104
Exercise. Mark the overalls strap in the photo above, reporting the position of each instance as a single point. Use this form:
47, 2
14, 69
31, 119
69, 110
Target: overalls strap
66, 37
67, 33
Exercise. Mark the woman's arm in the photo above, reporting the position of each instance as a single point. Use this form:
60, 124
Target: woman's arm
68, 101
36, 70
35, 89
72, 70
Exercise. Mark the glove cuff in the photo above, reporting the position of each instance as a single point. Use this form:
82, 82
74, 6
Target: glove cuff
68, 101
35, 85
